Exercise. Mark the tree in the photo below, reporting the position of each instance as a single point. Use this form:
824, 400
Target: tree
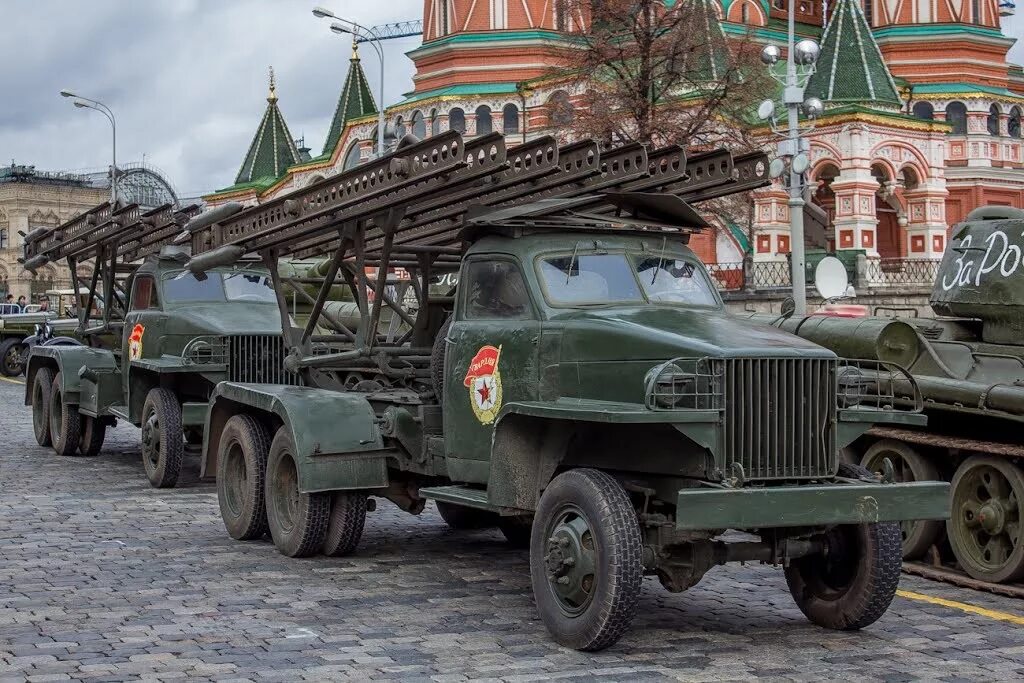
657, 71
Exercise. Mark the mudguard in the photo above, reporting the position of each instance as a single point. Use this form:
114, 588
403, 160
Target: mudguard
69, 362
338, 445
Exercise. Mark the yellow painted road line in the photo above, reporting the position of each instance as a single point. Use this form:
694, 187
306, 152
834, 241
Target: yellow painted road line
963, 607
12, 381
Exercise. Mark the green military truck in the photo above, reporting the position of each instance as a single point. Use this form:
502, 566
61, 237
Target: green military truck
153, 355
18, 328
582, 388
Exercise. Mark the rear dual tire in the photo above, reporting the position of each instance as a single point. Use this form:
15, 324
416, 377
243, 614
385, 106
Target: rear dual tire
65, 425
241, 474
42, 385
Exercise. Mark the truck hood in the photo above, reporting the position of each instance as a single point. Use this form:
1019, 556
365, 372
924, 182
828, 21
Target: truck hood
662, 332
224, 319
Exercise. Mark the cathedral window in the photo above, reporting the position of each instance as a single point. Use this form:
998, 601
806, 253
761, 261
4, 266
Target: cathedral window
993, 119
352, 157
745, 13
1013, 125
499, 14
924, 110
956, 116
484, 125
510, 115
419, 124
457, 120
561, 18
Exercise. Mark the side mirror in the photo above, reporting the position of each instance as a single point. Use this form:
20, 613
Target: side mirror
788, 308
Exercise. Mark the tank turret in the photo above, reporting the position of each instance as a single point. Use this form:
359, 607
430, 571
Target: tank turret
982, 274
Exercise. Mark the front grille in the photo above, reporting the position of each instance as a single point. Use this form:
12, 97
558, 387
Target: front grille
779, 414
258, 358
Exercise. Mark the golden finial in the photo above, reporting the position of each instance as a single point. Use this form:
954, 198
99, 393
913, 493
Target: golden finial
355, 50
272, 96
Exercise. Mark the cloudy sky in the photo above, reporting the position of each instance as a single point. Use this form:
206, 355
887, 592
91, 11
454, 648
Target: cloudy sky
187, 79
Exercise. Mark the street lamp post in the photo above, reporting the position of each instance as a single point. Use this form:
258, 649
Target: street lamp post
357, 30
793, 147
86, 103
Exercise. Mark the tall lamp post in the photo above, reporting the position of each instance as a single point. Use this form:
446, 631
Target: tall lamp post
86, 103
793, 147
370, 36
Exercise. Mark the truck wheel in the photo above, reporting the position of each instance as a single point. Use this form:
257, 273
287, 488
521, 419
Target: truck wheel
462, 517
850, 586
516, 530
909, 465
162, 440
298, 521
984, 526
241, 473
437, 360
586, 559
94, 431
65, 427
42, 384
345, 526
12, 357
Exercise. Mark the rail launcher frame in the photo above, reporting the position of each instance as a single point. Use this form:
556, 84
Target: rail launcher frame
116, 239
414, 209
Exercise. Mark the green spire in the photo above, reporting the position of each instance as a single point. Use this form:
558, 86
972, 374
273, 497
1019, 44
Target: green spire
272, 150
355, 101
851, 67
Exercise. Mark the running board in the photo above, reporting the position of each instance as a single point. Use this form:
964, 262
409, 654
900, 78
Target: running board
460, 495
120, 412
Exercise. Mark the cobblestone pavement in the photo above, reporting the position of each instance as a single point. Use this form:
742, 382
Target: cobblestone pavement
104, 578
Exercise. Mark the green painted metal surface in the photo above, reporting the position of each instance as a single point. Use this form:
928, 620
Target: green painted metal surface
338, 445
810, 505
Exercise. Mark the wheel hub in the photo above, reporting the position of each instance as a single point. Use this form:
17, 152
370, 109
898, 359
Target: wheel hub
992, 517
570, 561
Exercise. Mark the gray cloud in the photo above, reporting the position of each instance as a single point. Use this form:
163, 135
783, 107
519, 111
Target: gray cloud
186, 78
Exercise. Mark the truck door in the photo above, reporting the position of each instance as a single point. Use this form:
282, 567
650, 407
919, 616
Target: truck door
491, 360
143, 306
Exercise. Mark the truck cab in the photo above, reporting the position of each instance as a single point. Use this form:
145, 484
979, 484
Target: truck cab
180, 335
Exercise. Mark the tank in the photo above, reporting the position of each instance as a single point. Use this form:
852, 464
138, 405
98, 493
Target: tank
968, 362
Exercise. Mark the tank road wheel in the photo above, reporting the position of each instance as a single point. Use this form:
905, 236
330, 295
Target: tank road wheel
909, 465
462, 517
586, 559
94, 431
345, 526
241, 472
162, 440
298, 521
65, 427
852, 584
12, 357
42, 384
984, 527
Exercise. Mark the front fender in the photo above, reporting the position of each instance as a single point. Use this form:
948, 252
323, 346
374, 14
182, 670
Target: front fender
68, 361
338, 445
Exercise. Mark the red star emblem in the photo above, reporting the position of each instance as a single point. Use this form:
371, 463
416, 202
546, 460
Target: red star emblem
485, 392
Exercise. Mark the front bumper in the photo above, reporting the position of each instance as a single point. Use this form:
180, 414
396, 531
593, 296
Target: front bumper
810, 505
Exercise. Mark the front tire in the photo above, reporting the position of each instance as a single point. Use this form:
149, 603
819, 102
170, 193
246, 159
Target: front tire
586, 559
162, 440
65, 427
42, 385
241, 473
297, 521
12, 357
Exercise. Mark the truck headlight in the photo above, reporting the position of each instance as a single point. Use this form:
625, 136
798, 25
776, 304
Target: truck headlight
667, 385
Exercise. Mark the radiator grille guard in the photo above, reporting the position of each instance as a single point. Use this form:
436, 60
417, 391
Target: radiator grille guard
776, 415
256, 358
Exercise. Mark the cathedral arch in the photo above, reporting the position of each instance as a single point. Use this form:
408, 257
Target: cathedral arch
956, 116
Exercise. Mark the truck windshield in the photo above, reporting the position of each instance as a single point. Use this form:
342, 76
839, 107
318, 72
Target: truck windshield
593, 279
241, 286
581, 279
671, 280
